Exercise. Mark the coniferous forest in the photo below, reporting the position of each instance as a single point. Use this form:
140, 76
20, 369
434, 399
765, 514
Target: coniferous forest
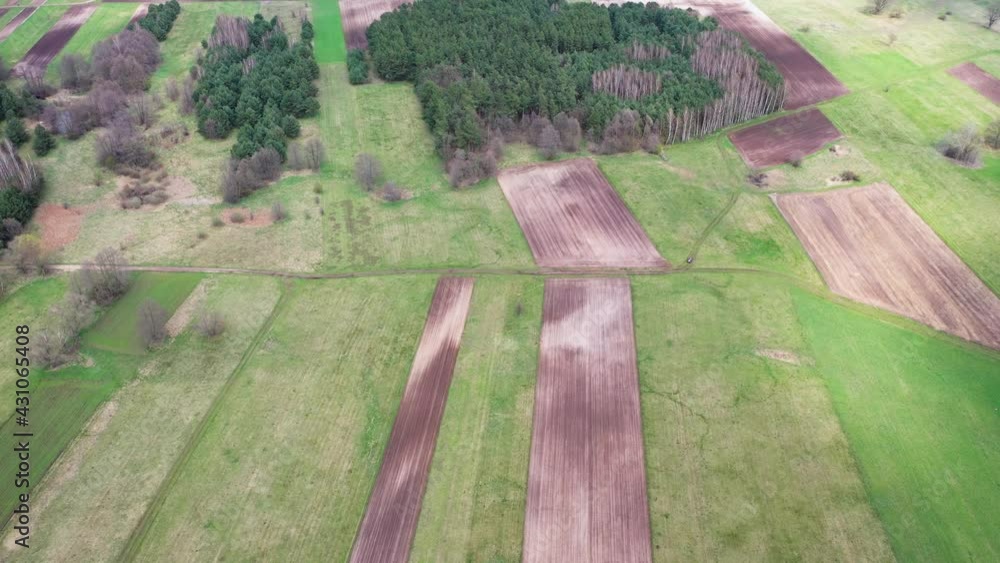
479, 63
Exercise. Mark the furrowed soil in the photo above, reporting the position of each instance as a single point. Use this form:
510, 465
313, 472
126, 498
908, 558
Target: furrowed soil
785, 138
978, 79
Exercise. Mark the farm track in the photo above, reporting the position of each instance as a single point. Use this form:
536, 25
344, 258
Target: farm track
134, 542
390, 521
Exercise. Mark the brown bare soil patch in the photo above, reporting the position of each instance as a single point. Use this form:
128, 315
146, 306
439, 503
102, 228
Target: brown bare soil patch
59, 226
782, 139
46, 49
782, 356
251, 218
572, 216
390, 521
17, 20
807, 81
6, 7
140, 12
586, 479
357, 15
870, 246
978, 79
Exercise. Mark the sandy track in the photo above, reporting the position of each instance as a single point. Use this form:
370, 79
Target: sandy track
46, 49
870, 246
587, 479
357, 15
390, 520
572, 216
978, 79
17, 20
808, 82
782, 139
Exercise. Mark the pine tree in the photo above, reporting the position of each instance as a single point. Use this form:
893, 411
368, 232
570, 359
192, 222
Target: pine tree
43, 142
15, 131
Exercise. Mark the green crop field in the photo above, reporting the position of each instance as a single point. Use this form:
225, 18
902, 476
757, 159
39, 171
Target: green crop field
29, 32
103, 23
116, 330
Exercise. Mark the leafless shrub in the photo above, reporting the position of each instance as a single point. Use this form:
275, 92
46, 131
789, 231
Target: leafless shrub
849, 176
962, 146
137, 193
278, 212
570, 133
34, 82
105, 279
265, 164
121, 147
757, 179
878, 6
242, 177
26, 255
108, 99
367, 171
237, 217
127, 58
315, 154
232, 31
991, 135
548, 142
74, 73
151, 323
172, 90
992, 15
58, 341
795, 159
186, 105
143, 108
623, 134
211, 324
467, 168
391, 192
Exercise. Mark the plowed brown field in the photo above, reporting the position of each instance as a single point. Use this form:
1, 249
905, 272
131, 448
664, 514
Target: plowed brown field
357, 15
46, 49
785, 138
587, 478
808, 81
19, 19
6, 7
572, 216
978, 79
390, 520
870, 246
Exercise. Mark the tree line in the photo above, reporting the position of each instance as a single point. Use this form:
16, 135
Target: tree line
159, 19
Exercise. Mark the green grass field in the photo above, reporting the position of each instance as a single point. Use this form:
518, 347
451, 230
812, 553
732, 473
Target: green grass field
921, 417
109, 475
473, 508
116, 330
297, 438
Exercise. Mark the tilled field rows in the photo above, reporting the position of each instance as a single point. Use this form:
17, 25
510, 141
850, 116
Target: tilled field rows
46, 49
870, 246
587, 480
572, 217
17, 20
978, 79
357, 15
390, 520
785, 138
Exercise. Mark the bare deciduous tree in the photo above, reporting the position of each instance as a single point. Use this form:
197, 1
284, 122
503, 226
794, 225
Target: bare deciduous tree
991, 135
151, 323
211, 324
57, 342
25, 253
548, 142
105, 279
879, 6
992, 15
569, 132
368, 171
74, 73
962, 145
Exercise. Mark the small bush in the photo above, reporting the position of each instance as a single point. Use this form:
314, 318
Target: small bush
105, 279
151, 323
278, 212
43, 142
217, 222
317, 188
757, 178
237, 217
25, 253
367, 171
962, 146
795, 160
211, 324
357, 67
849, 176
391, 192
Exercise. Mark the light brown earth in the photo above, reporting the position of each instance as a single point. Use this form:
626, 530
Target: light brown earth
586, 479
870, 246
390, 521
784, 138
357, 15
978, 79
572, 217
807, 81
59, 226
46, 49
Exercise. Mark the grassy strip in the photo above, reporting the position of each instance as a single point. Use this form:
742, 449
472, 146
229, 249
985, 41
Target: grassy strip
116, 329
473, 508
298, 435
329, 42
920, 413
29, 32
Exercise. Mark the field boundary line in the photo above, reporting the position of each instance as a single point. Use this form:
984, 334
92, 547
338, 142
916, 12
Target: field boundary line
138, 534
